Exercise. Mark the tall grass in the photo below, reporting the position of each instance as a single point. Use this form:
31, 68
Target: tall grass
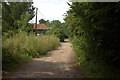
21, 47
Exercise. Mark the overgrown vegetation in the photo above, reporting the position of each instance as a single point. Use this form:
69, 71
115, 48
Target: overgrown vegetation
94, 31
21, 47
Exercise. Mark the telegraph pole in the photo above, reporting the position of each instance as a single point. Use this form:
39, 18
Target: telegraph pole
36, 20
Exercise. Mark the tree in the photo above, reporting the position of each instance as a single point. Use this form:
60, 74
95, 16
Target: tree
12, 12
55, 23
95, 27
22, 23
42, 21
47, 23
58, 29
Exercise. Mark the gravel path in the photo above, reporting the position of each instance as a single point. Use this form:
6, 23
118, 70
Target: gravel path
58, 63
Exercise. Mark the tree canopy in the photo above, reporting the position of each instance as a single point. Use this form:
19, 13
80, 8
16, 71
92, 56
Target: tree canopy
16, 15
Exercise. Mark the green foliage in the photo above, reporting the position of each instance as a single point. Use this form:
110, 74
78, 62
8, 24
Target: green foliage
96, 27
21, 47
57, 30
90, 65
22, 23
15, 16
42, 21
60, 34
56, 23
47, 23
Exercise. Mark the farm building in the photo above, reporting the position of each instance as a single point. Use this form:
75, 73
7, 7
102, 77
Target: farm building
41, 28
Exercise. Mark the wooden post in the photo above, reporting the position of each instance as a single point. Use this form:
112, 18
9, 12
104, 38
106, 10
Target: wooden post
36, 21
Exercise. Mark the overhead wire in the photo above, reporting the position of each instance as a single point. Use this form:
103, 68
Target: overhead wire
42, 14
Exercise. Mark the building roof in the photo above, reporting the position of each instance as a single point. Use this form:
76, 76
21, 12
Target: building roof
41, 26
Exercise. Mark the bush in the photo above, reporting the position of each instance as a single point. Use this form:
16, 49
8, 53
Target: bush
96, 26
90, 65
58, 32
21, 47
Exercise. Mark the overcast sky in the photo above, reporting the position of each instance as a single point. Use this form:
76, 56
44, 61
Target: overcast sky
50, 9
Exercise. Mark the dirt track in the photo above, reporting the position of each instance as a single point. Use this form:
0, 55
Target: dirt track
58, 63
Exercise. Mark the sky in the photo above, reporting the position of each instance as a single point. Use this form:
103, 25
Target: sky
50, 9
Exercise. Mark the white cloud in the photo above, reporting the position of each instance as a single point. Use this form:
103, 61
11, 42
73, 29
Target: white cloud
51, 9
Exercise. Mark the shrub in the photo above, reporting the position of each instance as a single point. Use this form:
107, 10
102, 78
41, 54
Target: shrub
21, 47
96, 26
58, 32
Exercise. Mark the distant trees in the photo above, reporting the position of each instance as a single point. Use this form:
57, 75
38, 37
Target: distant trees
42, 21
16, 15
56, 23
46, 22
57, 29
